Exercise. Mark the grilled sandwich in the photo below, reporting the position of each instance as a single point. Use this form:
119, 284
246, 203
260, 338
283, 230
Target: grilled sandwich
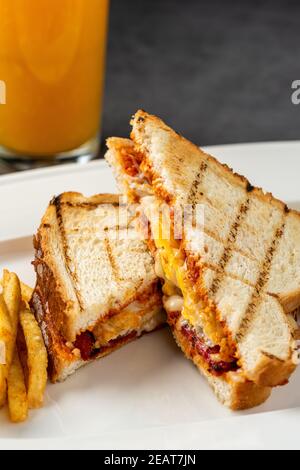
96, 287
232, 284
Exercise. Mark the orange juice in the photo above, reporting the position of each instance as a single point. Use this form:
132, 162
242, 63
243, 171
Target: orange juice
52, 56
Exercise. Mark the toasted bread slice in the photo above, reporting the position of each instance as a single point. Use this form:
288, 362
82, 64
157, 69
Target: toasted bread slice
96, 286
246, 266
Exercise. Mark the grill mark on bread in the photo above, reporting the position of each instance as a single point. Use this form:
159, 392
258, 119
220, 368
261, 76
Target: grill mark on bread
73, 275
271, 356
192, 196
90, 205
91, 231
260, 284
249, 187
215, 267
112, 261
218, 239
229, 246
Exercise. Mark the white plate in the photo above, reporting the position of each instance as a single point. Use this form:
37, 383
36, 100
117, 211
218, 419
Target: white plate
146, 395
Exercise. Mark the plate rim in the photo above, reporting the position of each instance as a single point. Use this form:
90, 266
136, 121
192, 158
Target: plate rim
36, 173
50, 171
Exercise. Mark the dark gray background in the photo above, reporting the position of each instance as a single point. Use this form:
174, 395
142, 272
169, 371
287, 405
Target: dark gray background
219, 71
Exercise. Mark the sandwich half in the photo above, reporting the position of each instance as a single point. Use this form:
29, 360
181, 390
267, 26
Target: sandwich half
96, 286
231, 283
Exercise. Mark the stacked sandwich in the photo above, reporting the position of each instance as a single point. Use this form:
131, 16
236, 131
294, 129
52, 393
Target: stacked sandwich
230, 285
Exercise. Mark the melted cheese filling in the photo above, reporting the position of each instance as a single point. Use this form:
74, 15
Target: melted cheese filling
133, 318
195, 311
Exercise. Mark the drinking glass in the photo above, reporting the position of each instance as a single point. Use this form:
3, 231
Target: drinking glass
52, 65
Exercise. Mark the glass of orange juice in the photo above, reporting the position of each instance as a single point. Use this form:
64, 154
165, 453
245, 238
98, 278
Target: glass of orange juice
52, 59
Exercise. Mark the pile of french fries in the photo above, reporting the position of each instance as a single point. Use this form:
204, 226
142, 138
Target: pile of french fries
23, 356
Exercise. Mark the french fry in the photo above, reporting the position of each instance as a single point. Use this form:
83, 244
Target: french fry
12, 298
26, 291
17, 321
5, 277
3, 386
37, 359
17, 397
6, 338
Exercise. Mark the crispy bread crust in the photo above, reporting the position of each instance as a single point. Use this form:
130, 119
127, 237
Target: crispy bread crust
78, 199
138, 122
60, 356
47, 280
272, 372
